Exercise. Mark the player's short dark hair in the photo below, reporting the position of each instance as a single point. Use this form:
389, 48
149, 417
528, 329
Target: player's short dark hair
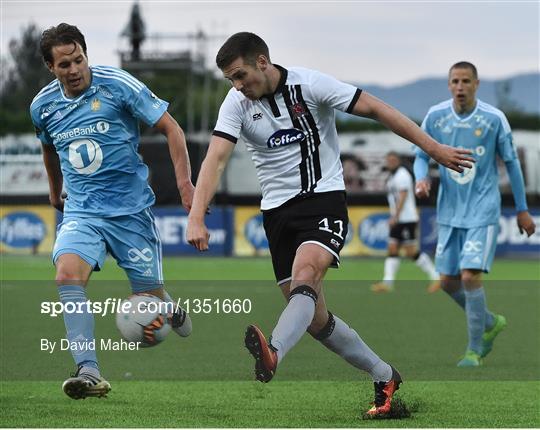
62, 34
464, 65
245, 45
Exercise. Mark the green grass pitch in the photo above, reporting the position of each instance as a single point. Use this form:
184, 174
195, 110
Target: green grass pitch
207, 381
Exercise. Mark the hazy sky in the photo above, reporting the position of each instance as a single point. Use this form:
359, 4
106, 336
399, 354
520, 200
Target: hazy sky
384, 42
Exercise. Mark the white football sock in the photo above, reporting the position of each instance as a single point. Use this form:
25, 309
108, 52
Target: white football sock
346, 342
89, 370
293, 323
391, 266
424, 262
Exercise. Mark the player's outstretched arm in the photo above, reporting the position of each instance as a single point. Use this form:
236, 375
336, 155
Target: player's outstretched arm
371, 107
176, 140
524, 220
54, 174
212, 168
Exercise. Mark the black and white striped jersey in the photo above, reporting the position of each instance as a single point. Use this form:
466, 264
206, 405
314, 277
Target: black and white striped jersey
291, 134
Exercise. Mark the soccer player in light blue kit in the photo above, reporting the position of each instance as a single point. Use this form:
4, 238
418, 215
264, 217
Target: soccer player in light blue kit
88, 122
468, 204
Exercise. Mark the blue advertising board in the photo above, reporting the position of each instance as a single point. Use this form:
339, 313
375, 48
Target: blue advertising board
171, 222
172, 225
27, 229
509, 241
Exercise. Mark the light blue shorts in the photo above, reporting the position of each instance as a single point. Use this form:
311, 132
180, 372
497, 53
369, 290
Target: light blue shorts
465, 248
133, 240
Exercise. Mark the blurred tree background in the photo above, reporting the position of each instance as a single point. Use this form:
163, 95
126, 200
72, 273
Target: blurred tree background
24, 73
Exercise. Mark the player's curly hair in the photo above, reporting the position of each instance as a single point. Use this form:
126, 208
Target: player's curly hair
245, 45
62, 34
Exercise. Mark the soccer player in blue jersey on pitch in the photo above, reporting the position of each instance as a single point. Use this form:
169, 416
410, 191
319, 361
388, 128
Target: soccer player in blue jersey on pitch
87, 120
468, 204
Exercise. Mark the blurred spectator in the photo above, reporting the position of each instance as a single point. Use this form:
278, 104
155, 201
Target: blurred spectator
352, 166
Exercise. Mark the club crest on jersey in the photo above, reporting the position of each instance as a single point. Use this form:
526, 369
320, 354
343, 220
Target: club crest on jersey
478, 132
286, 137
298, 110
95, 105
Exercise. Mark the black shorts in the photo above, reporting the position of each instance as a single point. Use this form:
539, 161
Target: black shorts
320, 218
403, 232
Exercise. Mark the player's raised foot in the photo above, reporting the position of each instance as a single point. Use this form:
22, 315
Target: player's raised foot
181, 322
489, 336
86, 382
384, 392
434, 287
470, 359
264, 354
381, 287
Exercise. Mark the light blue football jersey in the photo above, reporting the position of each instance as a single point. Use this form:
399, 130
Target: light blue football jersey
472, 198
96, 136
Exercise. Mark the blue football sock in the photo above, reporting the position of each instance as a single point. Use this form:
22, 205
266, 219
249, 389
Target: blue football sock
459, 297
79, 325
475, 310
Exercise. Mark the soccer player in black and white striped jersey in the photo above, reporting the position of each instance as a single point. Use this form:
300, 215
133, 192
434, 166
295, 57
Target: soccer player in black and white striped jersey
287, 118
403, 226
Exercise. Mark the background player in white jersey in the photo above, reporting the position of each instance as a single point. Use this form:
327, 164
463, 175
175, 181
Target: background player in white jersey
286, 117
403, 224
469, 203
88, 122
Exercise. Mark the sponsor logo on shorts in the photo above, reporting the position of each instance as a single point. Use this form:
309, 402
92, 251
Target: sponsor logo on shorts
472, 247
136, 255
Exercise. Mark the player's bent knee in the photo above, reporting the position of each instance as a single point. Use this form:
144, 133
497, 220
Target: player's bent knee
69, 272
309, 273
471, 275
64, 277
304, 290
471, 279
